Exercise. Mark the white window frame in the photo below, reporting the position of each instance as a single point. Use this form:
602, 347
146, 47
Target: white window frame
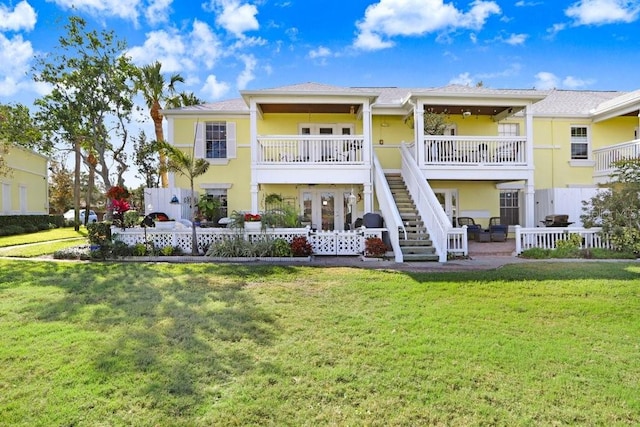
337, 128
588, 162
201, 142
508, 129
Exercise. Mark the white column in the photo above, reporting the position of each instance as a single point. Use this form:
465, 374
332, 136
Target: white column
368, 198
418, 131
254, 199
253, 135
366, 131
528, 113
529, 202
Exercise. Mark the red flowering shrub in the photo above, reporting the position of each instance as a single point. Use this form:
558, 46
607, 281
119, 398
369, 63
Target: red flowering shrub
374, 246
118, 193
252, 218
301, 247
120, 206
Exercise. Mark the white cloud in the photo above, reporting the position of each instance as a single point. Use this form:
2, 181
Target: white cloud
512, 70
468, 79
122, 9
23, 17
473, 37
15, 60
600, 12
166, 46
516, 39
320, 52
546, 80
233, 16
180, 52
555, 29
214, 89
389, 18
205, 44
572, 82
158, 11
247, 75
462, 79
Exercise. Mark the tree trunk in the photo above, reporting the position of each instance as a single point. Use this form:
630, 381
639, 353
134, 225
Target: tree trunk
76, 187
157, 124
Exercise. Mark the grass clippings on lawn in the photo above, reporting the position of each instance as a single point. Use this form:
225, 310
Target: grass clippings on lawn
205, 344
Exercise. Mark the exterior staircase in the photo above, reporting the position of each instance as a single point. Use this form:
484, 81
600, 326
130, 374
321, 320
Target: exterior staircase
417, 246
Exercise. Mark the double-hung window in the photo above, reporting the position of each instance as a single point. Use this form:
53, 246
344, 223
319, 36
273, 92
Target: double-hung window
579, 143
215, 140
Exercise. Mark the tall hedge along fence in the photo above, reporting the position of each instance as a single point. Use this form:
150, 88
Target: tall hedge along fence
21, 224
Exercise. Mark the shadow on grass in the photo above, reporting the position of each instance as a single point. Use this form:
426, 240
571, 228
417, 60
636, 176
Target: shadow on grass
175, 331
540, 271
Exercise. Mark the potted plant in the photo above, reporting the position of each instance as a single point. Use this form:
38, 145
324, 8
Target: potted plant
252, 222
208, 208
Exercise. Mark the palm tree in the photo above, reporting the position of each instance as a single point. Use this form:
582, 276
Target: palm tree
151, 83
183, 99
186, 165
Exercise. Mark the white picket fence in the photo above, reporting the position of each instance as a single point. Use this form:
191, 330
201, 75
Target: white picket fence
547, 237
322, 242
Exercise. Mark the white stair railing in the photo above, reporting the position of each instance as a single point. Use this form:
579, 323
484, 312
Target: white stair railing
389, 210
427, 204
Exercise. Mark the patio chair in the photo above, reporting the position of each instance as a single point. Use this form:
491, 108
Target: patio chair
472, 228
497, 230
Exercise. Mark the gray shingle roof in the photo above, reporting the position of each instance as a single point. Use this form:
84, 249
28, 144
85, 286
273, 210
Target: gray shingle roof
571, 102
555, 102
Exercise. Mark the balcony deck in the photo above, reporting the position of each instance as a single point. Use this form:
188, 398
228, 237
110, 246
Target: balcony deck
605, 157
473, 157
312, 159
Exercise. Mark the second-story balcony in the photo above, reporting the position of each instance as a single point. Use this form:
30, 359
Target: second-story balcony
473, 157
312, 159
286, 150
605, 158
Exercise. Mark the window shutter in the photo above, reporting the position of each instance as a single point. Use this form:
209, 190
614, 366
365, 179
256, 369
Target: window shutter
199, 148
231, 140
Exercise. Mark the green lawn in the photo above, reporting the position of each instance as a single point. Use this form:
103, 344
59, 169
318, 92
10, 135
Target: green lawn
145, 344
43, 236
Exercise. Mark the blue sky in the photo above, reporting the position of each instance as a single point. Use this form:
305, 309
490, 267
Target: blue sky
223, 46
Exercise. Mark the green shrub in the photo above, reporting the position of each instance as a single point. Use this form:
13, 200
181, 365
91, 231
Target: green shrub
13, 229
99, 233
131, 218
234, 246
281, 248
166, 251
536, 253
139, 249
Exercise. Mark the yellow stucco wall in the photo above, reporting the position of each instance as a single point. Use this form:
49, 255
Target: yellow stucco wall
552, 151
27, 170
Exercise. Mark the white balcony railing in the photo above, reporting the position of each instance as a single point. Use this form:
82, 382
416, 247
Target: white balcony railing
473, 150
315, 149
605, 157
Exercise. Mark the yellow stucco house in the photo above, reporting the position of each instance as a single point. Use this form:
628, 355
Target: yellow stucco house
24, 188
341, 152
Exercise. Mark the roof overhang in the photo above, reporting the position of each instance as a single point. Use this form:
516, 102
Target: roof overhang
624, 105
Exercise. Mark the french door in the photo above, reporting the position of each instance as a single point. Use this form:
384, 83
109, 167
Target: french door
328, 209
448, 199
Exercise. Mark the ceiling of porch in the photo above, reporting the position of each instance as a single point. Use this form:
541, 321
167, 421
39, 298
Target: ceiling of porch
309, 108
